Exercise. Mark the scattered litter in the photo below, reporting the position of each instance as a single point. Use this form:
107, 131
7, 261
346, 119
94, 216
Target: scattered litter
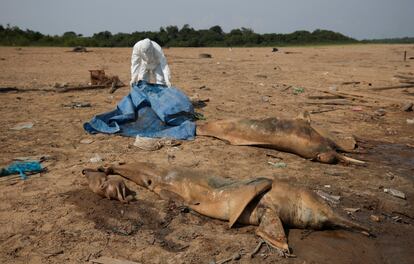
261, 84
99, 80
107, 260
261, 76
410, 121
235, 256
39, 158
298, 90
86, 141
151, 144
77, 105
407, 107
198, 102
22, 167
395, 193
375, 218
351, 82
380, 112
397, 218
199, 116
205, 55
265, 99
96, 158
328, 197
275, 49
333, 88
278, 164
327, 186
352, 210
356, 109
79, 49
23, 125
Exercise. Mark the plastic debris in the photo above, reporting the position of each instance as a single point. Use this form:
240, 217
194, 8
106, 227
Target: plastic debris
375, 218
395, 193
23, 125
77, 105
410, 121
107, 260
21, 168
151, 144
86, 141
328, 197
352, 210
278, 164
205, 56
96, 158
407, 107
298, 90
380, 112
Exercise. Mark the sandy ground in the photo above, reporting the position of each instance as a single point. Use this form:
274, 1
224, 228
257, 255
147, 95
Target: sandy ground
54, 218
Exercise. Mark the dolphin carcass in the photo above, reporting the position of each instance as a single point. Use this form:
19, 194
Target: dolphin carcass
289, 135
268, 204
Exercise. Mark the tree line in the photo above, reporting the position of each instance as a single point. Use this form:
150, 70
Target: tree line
171, 36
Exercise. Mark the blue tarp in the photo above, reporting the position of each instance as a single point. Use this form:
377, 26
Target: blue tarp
20, 167
150, 110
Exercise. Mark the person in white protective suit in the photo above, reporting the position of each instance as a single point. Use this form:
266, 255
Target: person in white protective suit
149, 63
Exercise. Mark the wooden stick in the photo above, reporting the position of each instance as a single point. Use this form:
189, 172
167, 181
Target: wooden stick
79, 88
393, 87
336, 102
326, 97
8, 89
404, 77
20, 90
323, 111
352, 82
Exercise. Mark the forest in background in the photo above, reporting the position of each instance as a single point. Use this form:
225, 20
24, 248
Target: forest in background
172, 36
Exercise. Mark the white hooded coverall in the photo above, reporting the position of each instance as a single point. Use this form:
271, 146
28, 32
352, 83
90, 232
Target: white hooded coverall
148, 62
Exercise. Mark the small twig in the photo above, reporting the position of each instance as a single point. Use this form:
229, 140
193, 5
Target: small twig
352, 82
79, 88
287, 88
342, 102
323, 111
257, 248
326, 97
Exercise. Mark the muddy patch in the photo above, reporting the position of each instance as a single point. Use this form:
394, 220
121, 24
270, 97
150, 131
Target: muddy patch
399, 157
134, 219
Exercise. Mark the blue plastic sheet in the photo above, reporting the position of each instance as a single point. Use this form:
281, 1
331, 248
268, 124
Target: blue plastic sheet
150, 110
21, 168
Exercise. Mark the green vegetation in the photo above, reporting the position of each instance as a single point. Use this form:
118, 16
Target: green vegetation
172, 36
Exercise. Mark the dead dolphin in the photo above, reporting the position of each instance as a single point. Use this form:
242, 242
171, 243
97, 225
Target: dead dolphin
290, 135
110, 188
269, 204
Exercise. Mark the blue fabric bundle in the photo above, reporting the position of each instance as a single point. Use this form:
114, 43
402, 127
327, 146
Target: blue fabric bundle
21, 167
150, 110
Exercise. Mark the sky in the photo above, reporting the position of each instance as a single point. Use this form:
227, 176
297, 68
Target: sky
361, 19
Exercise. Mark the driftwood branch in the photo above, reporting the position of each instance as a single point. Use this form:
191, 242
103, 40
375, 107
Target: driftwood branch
393, 87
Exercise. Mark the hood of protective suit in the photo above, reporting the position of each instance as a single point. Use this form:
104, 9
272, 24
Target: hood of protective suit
148, 52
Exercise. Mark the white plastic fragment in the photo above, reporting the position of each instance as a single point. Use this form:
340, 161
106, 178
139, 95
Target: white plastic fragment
96, 158
328, 197
22, 125
395, 193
